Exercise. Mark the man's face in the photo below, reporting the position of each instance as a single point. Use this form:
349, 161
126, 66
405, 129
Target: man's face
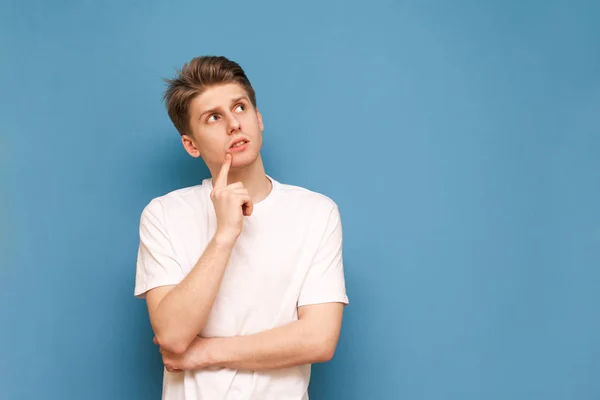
219, 118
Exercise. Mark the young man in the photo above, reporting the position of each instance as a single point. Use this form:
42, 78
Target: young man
243, 275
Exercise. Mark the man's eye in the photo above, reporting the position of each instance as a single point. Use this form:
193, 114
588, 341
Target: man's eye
212, 118
240, 107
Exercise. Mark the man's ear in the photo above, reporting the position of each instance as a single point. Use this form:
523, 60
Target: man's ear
260, 121
190, 146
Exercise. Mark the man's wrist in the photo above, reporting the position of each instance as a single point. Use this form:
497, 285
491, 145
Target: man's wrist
214, 356
224, 239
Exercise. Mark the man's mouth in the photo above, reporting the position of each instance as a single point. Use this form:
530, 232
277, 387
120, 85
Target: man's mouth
238, 144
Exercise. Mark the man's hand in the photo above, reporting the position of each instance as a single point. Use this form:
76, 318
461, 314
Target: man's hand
195, 357
231, 203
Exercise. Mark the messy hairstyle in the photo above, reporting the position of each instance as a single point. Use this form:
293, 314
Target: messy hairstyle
193, 79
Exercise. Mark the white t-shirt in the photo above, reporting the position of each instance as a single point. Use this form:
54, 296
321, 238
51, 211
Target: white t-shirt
289, 254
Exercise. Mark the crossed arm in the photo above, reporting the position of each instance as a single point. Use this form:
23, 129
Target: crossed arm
311, 339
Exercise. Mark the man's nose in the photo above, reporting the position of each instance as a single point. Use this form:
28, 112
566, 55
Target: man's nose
234, 124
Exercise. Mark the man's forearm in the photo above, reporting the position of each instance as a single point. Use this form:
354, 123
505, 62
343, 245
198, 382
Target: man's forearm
182, 313
311, 339
293, 344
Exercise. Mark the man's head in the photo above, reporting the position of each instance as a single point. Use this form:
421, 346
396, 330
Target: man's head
213, 105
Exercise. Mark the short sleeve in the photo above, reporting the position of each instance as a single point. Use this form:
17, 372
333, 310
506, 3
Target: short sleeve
324, 282
157, 264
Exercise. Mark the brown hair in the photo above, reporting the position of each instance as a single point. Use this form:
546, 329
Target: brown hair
194, 78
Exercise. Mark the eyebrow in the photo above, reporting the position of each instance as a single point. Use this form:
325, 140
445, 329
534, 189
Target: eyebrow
215, 109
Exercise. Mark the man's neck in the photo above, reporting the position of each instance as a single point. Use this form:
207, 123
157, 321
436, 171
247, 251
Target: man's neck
254, 179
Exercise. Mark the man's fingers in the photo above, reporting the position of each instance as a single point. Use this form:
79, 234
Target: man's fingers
236, 186
248, 208
244, 199
246, 203
241, 191
221, 180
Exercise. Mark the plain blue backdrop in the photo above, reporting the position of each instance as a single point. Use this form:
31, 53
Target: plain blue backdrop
461, 141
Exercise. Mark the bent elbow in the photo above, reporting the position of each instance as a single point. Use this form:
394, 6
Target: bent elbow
172, 345
326, 351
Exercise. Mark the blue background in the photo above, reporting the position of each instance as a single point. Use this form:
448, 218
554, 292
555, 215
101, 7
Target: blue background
460, 139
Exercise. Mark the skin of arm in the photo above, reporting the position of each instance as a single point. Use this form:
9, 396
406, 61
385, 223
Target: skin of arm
174, 323
311, 339
179, 312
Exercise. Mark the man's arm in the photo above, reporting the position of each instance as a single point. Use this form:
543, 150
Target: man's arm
311, 339
174, 322
178, 312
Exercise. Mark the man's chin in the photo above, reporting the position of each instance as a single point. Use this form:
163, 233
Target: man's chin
241, 160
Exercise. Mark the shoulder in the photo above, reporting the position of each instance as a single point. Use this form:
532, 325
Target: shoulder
299, 196
178, 201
